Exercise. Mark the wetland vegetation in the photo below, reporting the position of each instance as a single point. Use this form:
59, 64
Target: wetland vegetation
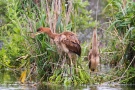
36, 60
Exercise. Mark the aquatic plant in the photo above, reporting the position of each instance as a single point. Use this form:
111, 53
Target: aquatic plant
38, 56
121, 39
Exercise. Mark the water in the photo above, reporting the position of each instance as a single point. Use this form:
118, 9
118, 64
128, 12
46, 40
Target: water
9, 81
59, 87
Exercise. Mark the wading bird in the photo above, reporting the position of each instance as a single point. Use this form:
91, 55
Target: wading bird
93, 56
66, 41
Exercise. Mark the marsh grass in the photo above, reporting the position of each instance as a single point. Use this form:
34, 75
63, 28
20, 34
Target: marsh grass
121, 35
39, 56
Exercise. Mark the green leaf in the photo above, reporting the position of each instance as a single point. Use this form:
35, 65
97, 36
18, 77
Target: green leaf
67, 81
127, 33
69, 26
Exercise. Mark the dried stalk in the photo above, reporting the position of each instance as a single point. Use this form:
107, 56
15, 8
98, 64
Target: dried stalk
68, 13
127, 68
53, 13
48, 14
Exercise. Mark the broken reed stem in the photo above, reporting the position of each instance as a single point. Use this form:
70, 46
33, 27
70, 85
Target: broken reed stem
114, 80
127, 68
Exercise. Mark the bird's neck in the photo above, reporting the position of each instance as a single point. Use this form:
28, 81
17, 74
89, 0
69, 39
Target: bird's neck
94, 40
52, 35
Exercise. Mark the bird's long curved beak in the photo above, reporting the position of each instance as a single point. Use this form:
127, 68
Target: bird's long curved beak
35, 34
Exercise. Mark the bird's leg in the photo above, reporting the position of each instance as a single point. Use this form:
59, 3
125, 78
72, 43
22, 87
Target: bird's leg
90, 72
71, 63
75, 63
63, 59
63, 65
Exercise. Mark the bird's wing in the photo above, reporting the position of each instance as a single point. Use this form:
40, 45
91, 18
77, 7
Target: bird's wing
71, 42
89, 56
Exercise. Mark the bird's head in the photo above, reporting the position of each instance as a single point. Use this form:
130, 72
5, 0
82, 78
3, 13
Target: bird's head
43, 30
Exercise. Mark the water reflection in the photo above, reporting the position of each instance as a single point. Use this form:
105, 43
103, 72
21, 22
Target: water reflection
9, 81
7, 77
16, 87
60, 87
86, 87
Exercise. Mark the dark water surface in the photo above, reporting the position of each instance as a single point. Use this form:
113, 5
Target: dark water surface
58, 87
10, 81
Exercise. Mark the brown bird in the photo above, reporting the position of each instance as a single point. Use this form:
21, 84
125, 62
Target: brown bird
93, 56
66, 41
